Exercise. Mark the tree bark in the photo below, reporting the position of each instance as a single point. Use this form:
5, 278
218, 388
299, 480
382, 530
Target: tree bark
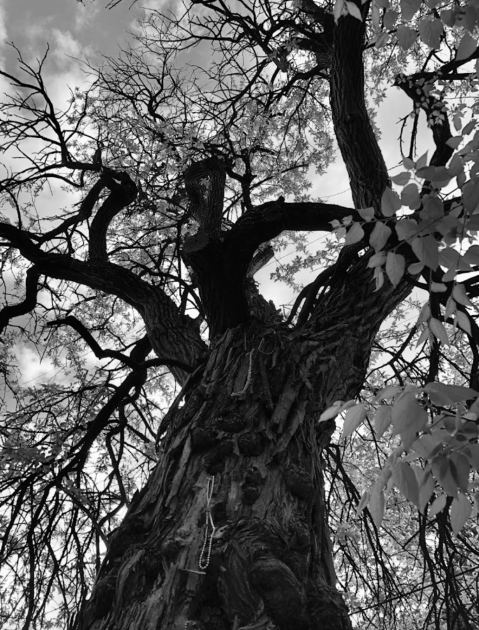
242, 452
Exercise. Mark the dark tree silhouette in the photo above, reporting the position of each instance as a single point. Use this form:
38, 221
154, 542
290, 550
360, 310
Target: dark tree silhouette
182, 180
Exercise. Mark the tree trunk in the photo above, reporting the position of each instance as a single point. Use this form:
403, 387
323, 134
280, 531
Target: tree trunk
231, 530
242, 454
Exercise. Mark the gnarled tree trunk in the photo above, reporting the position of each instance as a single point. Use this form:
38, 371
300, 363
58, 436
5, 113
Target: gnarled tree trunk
231, 530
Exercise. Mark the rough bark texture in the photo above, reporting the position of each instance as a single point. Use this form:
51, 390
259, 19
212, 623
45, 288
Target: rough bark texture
244, 446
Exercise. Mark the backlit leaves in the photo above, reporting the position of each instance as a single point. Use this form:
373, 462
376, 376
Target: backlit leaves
408, 417
390, 202
409, 8
466, 48
395, 267
354, 418
426, 249
430, 32
379, 236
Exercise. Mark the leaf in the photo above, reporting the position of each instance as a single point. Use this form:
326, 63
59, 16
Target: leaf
438, 287
409, 8
338, 9
379, 236
438, 505
354, 235
459, 294
463, 322
438, 330
355, 417
402, 178
430, 31
460, 512
425, 445
424, 315
472, 255
474, 449
376, 504
449, 258
442, 472
450, 308
377, 260
449, 17
473, 223
442, 395
389, 19
470, 196
426, 249
406, 228
382, 420
466, 48
469, 127
387, 393
366, 213
415, 268
405, 481
330, 413
353, 10
375, 17
433, 208
460, 468
454, 143
363, 502
409, 418
395, 267
378, 278
347, 405
382, 40
422, 162
456, 165
390, 202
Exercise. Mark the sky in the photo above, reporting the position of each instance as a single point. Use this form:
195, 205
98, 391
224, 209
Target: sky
76, 31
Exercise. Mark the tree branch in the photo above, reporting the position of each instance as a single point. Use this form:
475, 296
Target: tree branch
170, 335
27, 305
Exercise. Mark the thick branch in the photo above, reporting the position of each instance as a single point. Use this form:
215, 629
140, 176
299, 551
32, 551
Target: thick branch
221, 266
436, 113
360, 150
86, 209
27, 305
170, 335
123, 192
130, 361
267, 221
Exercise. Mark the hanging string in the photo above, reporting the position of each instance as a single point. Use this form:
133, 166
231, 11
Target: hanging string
209, 527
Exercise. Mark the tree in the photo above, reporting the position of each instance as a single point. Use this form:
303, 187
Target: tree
181, 179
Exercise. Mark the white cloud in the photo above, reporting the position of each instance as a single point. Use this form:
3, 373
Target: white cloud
66, 49
33, 370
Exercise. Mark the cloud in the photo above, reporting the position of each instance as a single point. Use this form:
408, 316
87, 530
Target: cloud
66, 49
84, 17
33, 370
3, 31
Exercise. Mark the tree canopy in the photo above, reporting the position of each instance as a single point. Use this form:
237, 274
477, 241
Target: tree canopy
133, 222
